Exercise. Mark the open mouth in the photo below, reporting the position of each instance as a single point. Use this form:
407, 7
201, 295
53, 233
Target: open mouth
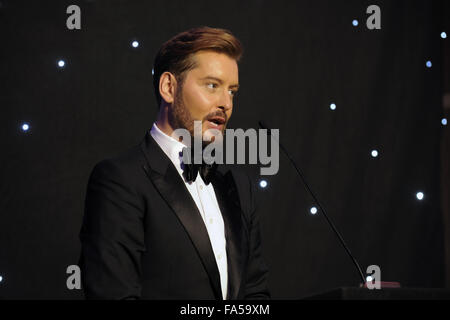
217, 121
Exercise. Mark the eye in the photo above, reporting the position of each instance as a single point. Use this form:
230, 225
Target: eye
211, 85
232, 92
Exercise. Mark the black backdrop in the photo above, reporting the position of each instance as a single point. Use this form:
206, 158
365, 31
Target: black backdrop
300, 56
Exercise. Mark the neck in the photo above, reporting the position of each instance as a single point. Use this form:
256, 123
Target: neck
162, 121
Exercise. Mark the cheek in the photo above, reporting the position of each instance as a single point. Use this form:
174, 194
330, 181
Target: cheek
229, 113
197, 101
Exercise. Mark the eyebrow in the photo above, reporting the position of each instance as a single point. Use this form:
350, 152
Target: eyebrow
219, 80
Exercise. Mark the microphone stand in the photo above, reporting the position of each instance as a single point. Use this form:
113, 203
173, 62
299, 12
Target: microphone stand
331, 224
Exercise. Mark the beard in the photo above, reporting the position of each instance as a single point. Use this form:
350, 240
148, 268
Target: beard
179, 116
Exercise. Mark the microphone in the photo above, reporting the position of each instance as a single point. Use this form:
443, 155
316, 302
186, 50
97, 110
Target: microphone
330, 223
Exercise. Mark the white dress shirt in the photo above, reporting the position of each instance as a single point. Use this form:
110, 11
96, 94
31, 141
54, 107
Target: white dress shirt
206, 201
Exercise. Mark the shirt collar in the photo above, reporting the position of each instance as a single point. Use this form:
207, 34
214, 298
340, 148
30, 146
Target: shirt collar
169, 145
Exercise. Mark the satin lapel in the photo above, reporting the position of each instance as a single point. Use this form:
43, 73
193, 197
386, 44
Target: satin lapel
171, 187
228, 199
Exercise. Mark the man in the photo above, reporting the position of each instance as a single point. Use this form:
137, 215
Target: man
152, 231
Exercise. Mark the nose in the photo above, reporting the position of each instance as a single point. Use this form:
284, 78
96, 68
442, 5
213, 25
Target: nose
226, 101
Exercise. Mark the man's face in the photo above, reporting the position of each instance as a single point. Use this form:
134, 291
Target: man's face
206, 93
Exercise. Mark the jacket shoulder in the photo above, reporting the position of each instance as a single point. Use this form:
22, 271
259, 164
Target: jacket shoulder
129, 157
122, 165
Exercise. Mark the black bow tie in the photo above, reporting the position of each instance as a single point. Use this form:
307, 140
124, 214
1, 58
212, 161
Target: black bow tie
191, 170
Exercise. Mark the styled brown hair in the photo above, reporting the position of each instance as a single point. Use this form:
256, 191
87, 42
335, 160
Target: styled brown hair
176, 54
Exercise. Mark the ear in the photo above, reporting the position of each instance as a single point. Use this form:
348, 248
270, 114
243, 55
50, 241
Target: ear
167, 87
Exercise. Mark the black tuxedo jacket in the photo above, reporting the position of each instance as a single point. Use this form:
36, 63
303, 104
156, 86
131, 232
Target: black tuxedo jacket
143, 237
